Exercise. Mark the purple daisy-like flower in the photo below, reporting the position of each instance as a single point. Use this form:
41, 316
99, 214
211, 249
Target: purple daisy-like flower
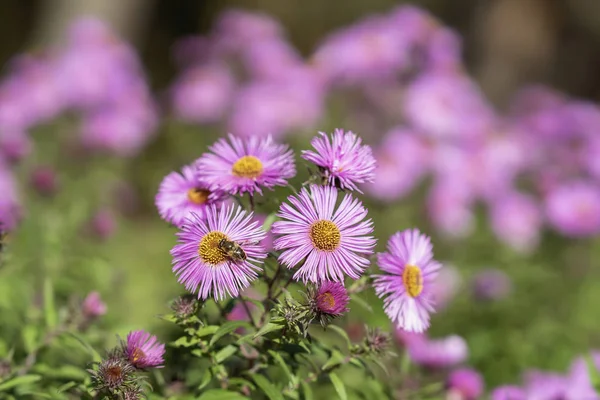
181, 194
407, 286
144, 350
202, 263
332, 241
443, 352
247, 165
331, 298
342, 159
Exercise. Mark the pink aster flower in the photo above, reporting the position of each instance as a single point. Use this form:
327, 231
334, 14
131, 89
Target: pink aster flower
331, 240
179, 195
93, 306
331, 298
516, 220
573, 209
508, 392
407, 285
144, 350
438, 353
201, 263
239, 165
466, 383
342, 159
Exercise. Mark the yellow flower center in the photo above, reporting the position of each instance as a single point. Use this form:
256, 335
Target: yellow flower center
247, 167
209, 250
326, 301
412, 280
137, 355
198, 196
325, 235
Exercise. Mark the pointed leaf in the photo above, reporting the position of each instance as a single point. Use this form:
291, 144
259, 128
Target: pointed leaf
220, 394
277, 357
207, 330
339, 386
49, 307
268, 328
307, 391
206, 378
335, 359
340, 331
362, 303
271, 218
225, 353
267, 387
18, 381
227, 328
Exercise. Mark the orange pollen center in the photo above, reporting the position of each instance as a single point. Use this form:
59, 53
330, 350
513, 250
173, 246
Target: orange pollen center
209, 250
137, 355
412, 280
325, 235
327, 300
247, 167
198, 196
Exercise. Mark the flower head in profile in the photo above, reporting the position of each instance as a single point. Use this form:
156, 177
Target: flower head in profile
328, 301
93, 306
181, 194
144, 350
203, 263
342, 159
246, 165
332, 240
406, 285
443, 352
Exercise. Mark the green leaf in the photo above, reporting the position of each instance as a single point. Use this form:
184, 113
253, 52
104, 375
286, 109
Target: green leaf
277, 357
220, 394
593, 372
335, 359
95, 356
185, 341
339, 386
226, 329
30, 336
271, 218
207, 330
307, 391
270, 390
67, 386
18, 381
268, 328
241, 382
259, 304
340, 331
49, 307
225, 353
206, 378
359, 301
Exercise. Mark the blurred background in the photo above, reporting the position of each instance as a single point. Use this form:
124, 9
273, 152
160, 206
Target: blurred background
523, 285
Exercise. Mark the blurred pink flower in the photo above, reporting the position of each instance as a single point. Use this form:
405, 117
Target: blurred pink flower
573, 209
516, 220
93, 306
491, 284
466, 383
438, 353
202, 94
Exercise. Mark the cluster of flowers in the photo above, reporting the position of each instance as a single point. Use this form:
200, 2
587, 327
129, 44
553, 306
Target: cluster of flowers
324, 240
118, 375
402, 73
94, 76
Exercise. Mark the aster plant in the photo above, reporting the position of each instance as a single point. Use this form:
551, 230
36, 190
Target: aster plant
252, 313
